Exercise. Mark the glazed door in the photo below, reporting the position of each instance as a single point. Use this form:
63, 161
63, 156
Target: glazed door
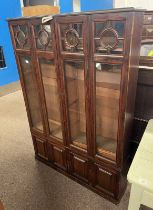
21, 37
49, 77
110, 43
74, 79
72, 45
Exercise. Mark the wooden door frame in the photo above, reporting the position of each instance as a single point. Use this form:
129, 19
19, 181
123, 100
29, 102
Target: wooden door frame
123, 61
48, 54
27, 52
66, 56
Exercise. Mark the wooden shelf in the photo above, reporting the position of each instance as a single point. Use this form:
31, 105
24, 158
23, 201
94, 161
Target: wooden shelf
70, 74
38, 126
107, 85
76, 101
104, 50
77, 112
147, 40
49, 81
80, 38
98, 38
80, 141
55, 129
107, 92
105, 146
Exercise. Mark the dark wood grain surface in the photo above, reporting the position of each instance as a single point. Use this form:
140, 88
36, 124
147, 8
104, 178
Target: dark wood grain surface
94, 167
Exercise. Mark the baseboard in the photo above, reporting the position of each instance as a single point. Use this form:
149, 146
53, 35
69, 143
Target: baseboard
10, 88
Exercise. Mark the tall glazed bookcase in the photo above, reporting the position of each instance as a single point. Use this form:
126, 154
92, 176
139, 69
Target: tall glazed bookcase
78, 74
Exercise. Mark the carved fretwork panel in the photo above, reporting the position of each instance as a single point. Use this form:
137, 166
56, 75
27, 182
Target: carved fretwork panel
71, 37
21, 35
109, 37
43, 37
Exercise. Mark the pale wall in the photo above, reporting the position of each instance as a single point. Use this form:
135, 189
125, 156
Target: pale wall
145, 4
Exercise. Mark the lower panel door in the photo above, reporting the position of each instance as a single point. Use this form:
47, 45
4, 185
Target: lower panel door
40, 147
57, 155
106, 181
78, 166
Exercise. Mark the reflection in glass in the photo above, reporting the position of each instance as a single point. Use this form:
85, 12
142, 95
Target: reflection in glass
147, 37
31, 91
99, 27
119, 27
74, 75
148, 19
52, 96
146, 49
147, 31
43, 37
107, 107
21, 36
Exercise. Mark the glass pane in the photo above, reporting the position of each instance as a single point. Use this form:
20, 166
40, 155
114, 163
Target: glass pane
31, 91
148, 19
147, 41
107, 107
109, 37
147, 31
119, 27
52, 97
71, 37
43, 37
99, 27
146, 49
74, 75
21, 36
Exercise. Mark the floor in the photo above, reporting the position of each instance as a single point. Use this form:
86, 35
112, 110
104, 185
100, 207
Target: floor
27, 184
